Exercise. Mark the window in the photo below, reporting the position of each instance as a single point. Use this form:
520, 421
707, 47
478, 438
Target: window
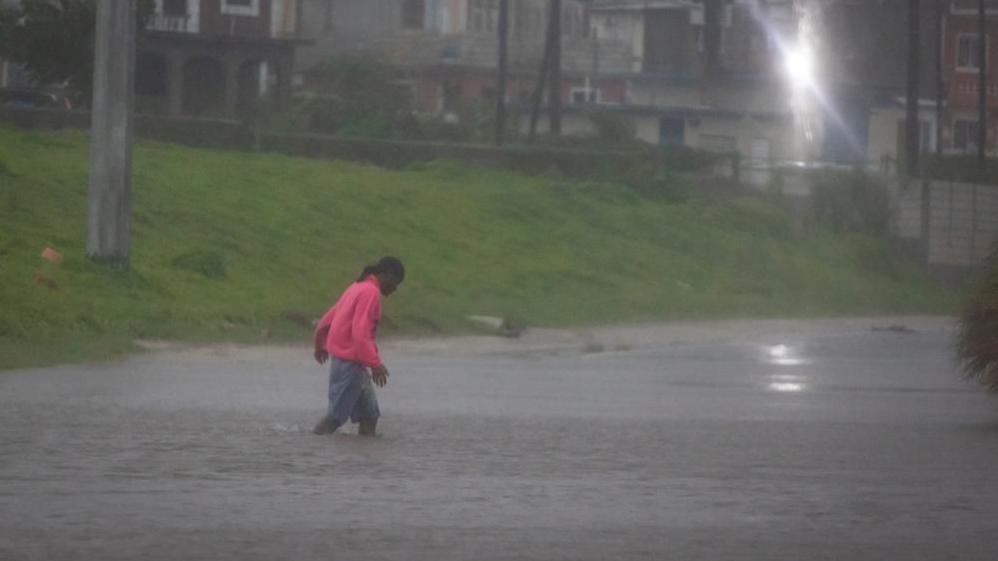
965, 135
413, 14
573, 23
967, 52
718, 143
175, 7
524, 22
483, 16
241, 7
437, 16
925, 139
585, 95
700, 39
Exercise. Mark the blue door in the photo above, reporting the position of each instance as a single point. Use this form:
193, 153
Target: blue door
671, 131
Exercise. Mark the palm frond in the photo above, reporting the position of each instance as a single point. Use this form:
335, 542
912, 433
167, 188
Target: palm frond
977, 342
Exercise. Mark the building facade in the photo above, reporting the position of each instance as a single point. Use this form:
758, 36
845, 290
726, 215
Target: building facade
446, 51
949, 37
961, 76
217, 57
725, 94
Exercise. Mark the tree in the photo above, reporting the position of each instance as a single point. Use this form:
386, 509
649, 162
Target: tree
712, 39
982, 86
977, 342
353, 95
54, 40
912, 130
8, 19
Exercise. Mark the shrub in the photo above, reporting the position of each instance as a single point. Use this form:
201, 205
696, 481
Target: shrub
851, 201
977, 342
208, 264
613, 129
352, 92
961, 168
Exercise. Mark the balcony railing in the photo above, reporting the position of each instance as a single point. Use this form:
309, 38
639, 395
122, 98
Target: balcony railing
172, 24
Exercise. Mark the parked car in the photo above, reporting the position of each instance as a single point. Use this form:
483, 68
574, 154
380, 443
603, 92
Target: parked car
35, 99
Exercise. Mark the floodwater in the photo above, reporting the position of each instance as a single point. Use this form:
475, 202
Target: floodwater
743, 440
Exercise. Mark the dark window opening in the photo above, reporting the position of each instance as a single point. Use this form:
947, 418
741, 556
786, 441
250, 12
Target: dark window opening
175, 7
967, 51
965, 135
413, 14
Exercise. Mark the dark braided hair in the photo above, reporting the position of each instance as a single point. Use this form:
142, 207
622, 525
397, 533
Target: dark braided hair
389, 265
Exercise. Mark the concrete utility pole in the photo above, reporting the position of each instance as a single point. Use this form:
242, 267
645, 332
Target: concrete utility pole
555, 90
501, 72
982, 86
111, 133
912, 136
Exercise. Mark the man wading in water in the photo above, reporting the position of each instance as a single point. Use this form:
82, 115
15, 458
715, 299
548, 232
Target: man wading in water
346, 333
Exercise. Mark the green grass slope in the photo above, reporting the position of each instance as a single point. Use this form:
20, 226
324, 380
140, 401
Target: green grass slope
248, 247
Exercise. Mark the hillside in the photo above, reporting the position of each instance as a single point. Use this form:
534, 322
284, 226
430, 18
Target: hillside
248, 247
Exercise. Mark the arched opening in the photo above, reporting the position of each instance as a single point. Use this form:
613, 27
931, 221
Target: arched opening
204, 87
279, 86
151, 83
251, 85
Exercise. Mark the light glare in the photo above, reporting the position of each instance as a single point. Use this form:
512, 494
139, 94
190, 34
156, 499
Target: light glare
800, 66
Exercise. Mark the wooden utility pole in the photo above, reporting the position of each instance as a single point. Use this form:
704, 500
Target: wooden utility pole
595, 85
939, 18
912, 135
554, 117
712, 39
111, 133
538, 95
501, 72
982, 86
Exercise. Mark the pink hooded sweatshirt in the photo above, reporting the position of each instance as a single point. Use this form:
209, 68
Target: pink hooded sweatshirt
351, 323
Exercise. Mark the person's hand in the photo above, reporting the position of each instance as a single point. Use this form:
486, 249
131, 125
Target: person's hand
379, 374
321, 356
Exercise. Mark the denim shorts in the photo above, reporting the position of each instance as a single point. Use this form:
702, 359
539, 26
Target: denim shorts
351, 393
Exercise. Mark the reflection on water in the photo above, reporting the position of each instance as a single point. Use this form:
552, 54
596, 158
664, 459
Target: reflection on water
785, 355
787, 383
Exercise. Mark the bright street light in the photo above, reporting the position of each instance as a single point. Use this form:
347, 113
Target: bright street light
799, 62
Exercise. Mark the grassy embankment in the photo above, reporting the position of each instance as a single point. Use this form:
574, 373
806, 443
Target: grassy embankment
245, 247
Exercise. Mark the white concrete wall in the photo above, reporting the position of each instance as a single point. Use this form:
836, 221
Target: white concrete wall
624, 27
761, 97
646, 128
882, 148
639, 93
882, 141
962, 221
723, 134
572, 124
714, 133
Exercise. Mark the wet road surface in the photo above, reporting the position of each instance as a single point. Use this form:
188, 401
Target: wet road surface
755, 440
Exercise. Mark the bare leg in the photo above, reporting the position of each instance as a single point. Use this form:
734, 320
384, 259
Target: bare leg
368, 427
325, 426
